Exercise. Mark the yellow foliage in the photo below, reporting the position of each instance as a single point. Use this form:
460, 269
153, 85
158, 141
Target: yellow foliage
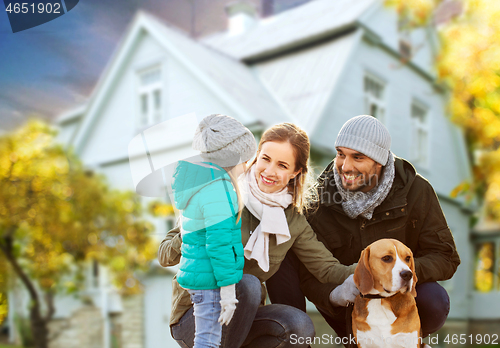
59, 214
415, 12
4, 307
484, 268
157, 208
468, 62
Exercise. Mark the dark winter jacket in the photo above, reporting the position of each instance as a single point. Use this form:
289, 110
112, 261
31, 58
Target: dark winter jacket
411, 213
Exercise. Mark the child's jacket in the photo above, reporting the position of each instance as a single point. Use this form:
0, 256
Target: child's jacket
212, 253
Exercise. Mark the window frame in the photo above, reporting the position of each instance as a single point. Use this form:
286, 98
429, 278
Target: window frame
148, 92
419, 156
370, 98
496, 263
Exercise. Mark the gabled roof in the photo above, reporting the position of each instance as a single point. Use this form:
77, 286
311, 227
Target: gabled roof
290, 87
233, 77
230, 80
71, 115
310, 22
304, 81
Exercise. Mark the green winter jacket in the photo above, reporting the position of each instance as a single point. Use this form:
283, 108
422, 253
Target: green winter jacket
212, 253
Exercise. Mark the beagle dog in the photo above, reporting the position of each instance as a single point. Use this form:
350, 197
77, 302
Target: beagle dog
385, 313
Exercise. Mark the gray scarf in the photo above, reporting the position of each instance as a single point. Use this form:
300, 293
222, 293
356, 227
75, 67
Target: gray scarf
360, 203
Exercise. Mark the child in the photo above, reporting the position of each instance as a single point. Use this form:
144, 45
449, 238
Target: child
208, 196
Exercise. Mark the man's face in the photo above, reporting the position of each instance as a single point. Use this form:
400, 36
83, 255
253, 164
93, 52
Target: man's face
357, 171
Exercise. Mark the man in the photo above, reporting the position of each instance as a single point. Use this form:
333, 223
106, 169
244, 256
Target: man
366, 194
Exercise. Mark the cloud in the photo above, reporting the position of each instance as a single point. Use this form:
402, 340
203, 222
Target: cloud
20, 102
9, 118
48, 69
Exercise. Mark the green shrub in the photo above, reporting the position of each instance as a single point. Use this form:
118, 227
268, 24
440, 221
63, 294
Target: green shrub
24, 328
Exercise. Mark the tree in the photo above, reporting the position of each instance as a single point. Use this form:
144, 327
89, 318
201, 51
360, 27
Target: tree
4, 306
55, 216
468, 64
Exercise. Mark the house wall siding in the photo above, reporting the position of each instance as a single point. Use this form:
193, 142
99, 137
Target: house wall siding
157, 307
459, 286
67, 131
116, 123
383, 21
403, 85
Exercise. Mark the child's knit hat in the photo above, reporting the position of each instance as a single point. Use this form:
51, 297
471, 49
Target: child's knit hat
224, 141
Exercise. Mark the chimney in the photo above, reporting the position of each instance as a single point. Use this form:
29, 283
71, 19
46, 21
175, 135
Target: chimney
241, 16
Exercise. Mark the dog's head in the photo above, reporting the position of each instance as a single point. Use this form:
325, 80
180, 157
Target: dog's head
385, 268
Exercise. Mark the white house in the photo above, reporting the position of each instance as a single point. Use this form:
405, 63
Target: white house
316, 65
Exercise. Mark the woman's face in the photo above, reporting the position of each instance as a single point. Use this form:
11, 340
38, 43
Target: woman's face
275, 166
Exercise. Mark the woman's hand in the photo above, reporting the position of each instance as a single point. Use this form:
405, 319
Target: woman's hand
345, 293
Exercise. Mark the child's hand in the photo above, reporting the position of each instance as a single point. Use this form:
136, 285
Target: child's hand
228, 303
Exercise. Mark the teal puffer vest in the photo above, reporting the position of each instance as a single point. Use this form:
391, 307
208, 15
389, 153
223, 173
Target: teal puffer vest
212, 253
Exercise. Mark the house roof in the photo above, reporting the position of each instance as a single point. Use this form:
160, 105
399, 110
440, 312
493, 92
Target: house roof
312, 21
304, 81
71, 114
234, 78
270, 92
229, 79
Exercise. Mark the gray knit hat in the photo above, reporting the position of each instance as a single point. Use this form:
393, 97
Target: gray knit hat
224, 141
367, 135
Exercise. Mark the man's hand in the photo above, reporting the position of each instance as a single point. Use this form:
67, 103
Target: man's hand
228, 303
345, 293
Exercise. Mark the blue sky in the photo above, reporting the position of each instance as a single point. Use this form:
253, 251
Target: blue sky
54, 67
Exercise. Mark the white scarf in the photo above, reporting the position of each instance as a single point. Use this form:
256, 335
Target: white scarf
269, 208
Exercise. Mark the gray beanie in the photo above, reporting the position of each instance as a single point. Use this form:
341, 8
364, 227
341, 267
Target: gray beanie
367, 135
224, 141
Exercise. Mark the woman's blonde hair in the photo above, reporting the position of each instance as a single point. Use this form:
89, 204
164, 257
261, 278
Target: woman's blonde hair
237, 189
300, 186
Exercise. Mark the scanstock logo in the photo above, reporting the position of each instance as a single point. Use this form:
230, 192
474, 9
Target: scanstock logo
26, 14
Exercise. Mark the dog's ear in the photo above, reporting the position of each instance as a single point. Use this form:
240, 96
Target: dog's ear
363, 277
413, 292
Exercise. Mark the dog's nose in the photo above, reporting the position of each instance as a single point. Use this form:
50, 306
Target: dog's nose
406, 275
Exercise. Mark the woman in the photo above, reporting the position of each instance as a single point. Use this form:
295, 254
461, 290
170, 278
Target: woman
272, 223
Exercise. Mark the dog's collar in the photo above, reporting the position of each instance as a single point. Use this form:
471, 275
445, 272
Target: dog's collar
371, 296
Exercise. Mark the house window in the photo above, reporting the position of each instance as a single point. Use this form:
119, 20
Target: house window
404, 49
374, 98
150, 97
420, 136
484, 268
94, 274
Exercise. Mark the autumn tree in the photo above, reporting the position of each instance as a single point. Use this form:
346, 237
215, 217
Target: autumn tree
55, 216
468, 64
4, 306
